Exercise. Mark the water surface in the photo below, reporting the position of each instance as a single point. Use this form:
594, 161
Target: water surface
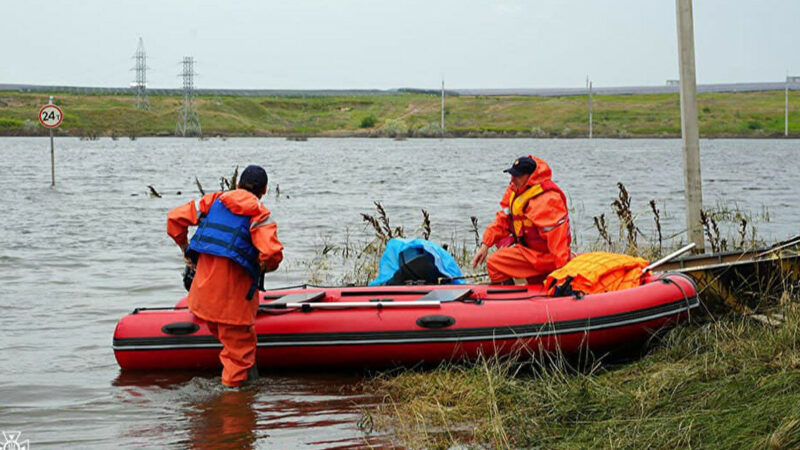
75, 259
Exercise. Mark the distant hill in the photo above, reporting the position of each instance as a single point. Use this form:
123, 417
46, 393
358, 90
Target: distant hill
406, 112
525, 92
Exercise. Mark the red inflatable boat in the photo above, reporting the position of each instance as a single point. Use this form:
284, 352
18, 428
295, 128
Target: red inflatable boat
407, 325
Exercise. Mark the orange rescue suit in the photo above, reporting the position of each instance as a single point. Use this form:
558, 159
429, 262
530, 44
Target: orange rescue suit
598, 272
219, 290
536, 219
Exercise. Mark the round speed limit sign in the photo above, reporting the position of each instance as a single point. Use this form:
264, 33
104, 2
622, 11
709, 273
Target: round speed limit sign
50, 116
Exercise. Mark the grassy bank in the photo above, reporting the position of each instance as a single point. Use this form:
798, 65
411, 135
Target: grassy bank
729, 383
756, 114
718, 382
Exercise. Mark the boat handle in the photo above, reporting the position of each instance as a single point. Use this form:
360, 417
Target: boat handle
435, 321
180, 328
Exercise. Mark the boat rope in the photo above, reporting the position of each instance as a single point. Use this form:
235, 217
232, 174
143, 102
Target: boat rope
159, 308
524, 297
666, 278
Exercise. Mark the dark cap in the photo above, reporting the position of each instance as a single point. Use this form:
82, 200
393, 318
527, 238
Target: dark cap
524, 165
254, 178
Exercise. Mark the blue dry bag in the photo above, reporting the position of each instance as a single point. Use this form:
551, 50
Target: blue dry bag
416, 261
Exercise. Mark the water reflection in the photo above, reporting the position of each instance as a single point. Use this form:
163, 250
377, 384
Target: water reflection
226, 420
278, 411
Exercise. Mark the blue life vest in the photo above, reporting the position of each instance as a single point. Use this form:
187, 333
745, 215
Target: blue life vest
223, 233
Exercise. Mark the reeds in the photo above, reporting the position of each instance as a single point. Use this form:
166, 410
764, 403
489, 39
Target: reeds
657, 220
380, 224
199, 186
356, 262
474, 229
602, 228
426, 224
226, 184
622, 207
725, 228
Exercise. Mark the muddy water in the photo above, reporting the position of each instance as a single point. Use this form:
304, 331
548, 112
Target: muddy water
74, 259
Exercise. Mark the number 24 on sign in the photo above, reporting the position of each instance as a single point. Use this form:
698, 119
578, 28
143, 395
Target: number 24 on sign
50, 116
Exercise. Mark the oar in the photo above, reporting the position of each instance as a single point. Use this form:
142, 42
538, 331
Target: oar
337, 305
440, 280
665, 259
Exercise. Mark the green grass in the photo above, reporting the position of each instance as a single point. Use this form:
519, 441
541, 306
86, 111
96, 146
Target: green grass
757, 114
731, 383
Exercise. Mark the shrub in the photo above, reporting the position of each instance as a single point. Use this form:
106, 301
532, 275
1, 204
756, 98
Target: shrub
369, 121
10, 124
30, 126
394, 128
538, 132
430, 130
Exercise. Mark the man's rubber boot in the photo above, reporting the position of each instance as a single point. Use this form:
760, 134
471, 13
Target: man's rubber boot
252, 374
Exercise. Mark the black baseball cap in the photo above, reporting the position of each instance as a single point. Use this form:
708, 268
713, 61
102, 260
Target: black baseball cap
254, 177
523, 165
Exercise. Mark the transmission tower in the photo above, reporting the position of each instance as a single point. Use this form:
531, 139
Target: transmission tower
188, 119
140, 84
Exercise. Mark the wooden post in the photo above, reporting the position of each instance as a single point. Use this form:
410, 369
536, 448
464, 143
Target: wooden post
689, 128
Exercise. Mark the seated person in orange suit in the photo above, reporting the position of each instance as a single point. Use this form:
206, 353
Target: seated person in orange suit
532, 231
235, 242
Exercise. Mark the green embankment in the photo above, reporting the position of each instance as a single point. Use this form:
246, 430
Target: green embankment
732, 383
754, 114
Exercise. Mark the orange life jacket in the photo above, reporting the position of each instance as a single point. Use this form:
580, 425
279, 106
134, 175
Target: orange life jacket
523, 230
592, 273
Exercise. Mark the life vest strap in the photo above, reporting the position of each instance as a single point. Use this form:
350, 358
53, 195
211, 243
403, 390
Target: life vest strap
516, 208
219, 226
219, 242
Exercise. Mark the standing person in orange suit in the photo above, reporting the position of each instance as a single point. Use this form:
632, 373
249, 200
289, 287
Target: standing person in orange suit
532, 231
236, 241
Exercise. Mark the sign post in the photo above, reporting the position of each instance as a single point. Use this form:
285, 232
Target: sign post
50, 116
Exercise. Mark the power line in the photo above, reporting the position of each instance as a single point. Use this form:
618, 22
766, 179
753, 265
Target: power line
188, 119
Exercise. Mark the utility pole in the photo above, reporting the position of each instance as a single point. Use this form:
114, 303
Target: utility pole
589, 88
140, 83
443, 107
689, 129
188, 119
789, 79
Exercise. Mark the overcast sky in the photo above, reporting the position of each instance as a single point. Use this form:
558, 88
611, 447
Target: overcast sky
313, 44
